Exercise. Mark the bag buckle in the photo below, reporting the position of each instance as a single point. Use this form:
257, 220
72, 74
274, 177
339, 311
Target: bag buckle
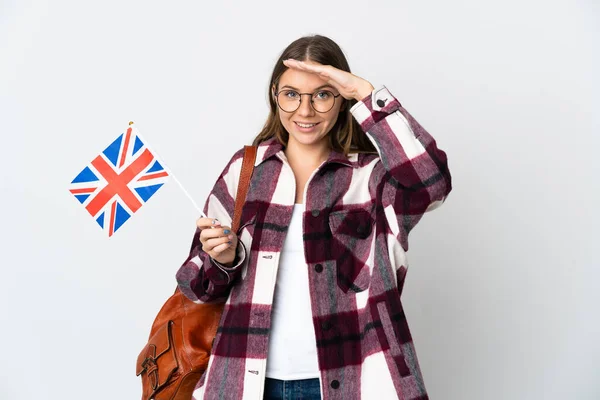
149, 365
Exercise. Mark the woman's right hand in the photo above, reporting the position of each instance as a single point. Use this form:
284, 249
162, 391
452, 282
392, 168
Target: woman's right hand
219, 242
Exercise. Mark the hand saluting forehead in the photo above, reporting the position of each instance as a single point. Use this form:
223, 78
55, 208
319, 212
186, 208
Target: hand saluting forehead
350, 86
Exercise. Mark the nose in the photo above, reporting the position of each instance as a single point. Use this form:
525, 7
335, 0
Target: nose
305, 108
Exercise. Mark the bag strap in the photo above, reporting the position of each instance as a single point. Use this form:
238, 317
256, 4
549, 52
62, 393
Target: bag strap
243, 185
240, 198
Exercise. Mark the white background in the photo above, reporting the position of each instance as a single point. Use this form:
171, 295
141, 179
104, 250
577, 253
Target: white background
502, 294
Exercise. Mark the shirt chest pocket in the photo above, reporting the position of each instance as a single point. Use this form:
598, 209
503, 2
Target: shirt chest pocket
352, 241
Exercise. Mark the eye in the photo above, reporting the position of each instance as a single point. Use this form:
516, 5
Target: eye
290, 94
323, 95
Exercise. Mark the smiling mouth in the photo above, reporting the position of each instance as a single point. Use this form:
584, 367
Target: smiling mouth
306, 125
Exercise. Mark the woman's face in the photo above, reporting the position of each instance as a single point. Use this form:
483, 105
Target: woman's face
319, 123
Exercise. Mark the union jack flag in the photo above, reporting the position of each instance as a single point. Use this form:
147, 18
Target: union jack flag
119, 181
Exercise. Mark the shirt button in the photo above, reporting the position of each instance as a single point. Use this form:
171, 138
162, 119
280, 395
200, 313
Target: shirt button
381, 103
319, 268
315, 213
335, 384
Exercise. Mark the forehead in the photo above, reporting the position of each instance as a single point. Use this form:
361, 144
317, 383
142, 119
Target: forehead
304, 81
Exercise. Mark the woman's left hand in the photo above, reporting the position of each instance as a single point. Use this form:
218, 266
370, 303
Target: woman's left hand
350, 86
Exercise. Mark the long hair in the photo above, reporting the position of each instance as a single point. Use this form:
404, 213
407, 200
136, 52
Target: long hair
346, 136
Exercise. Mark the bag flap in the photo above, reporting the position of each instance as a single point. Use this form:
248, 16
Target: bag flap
158, 359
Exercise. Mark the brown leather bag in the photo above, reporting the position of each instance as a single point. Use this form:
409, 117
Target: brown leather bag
181, 337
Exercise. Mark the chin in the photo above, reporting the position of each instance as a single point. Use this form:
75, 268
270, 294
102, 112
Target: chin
307, 139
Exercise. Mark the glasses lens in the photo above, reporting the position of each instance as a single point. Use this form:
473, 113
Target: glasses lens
289, 100
323, 100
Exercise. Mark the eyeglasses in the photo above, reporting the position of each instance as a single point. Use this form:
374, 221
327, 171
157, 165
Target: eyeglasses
321, 100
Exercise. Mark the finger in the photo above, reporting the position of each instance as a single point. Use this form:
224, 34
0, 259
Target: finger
217, 232
221, 248
204, 223
297, 65
209, 244
324, 70
301, 65
330, 74
217, 245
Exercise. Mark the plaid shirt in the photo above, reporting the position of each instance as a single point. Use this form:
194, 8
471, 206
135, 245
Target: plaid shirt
359, 212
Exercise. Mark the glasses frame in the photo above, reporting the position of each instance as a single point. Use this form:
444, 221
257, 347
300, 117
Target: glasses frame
311, 100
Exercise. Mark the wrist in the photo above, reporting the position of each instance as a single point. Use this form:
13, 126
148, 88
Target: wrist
223, 261
233, 262
364, 90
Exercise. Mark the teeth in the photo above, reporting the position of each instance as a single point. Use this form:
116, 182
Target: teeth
305, 126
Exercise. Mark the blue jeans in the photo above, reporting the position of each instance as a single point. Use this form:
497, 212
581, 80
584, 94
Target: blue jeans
302, 389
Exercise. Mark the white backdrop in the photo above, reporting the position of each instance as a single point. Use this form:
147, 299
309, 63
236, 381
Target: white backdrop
502, 293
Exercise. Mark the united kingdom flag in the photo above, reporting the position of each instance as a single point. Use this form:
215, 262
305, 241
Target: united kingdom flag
119, 181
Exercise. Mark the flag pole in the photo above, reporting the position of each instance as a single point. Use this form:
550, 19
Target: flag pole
172, 175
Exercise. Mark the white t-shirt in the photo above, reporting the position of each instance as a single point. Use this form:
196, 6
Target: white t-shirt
292, 347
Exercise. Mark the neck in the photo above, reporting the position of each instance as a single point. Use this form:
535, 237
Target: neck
312, 155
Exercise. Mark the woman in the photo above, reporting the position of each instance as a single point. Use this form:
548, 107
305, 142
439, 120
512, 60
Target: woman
313, 277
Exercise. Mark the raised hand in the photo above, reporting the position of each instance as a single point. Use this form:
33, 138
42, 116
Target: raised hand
349, 85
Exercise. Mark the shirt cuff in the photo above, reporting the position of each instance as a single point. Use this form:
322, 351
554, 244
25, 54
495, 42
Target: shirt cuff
374, 107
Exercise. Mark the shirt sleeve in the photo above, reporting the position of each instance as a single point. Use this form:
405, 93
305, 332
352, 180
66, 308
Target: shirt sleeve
412, 177
201, 278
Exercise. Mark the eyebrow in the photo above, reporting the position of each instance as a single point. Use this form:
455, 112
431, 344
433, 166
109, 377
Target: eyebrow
320, 87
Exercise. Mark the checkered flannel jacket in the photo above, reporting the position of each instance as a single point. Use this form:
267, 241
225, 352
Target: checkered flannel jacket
359, 212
